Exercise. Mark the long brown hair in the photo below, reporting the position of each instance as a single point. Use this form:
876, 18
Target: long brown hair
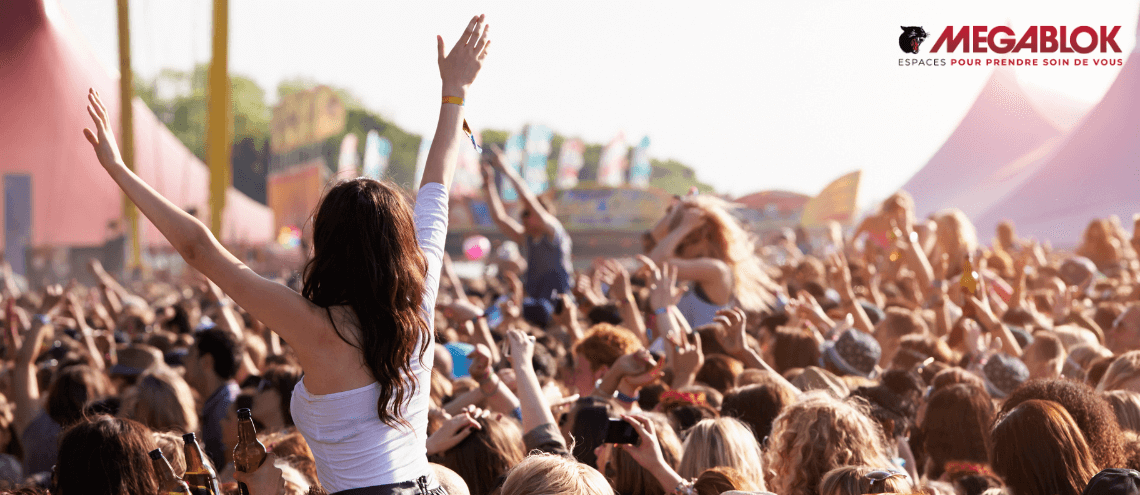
486, 454
366, 256
1037, 448
956, 427
105, 456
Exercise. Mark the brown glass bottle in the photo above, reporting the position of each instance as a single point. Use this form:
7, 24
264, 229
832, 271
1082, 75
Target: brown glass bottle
249, 452
201, 477
168, 483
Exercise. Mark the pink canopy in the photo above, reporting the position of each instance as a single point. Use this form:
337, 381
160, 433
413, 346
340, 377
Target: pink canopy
1093, 173
45, 70
996, 146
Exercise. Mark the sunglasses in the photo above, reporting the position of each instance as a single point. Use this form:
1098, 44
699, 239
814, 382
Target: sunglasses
881, 476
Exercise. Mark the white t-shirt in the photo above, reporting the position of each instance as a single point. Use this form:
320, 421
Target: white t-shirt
352, 447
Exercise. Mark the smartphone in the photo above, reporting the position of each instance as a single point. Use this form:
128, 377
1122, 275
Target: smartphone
494, 316
619, 431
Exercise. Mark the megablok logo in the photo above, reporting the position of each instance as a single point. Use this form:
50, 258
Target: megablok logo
1035, 39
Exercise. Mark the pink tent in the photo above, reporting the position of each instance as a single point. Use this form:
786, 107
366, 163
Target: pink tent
997, 144
1093, 173
55, 192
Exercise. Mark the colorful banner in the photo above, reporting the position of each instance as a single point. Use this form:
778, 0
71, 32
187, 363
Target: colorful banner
639, 168
836, 202
421, 162
468, 179
376, 152
537, 151
293, 195
625, 210
611, 165
346, 164
569, 163
514, 156
304, 118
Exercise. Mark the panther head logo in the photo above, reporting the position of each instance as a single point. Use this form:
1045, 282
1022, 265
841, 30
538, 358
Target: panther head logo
911, 38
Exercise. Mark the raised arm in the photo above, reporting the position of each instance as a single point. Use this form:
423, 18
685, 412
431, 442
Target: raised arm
507, 225
549, 221
458, 70
278, 306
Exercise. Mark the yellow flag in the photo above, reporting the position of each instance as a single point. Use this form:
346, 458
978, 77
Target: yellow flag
835, 202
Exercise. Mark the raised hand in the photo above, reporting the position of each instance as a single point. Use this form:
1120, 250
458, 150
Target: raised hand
663, 291
686, 359
522, 346
454, 430
480, 368
731, 333
459, 67
102, 138
638, 368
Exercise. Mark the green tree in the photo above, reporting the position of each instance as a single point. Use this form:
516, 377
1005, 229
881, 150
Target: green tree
178, 98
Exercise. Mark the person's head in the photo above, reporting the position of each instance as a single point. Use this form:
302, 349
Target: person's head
1114, 481
956, 237
596, 352
1045, 356
549, 474
1092, 414
271, 403
1126, 405
757, 405
486, 453
954, 376
721, 237
450, 481
366, 258
816, 435
1037, 448
720, 479
213, 359
899, 207
629, 478
1006, 235
854, 353
898, 323
105, 455
719, 372
1122, 374
531, 222
723, 442
862, 480
71, 390
793, 348
173, 449
956, 426
913, 349
162, 401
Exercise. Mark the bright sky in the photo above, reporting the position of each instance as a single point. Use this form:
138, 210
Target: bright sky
753, 95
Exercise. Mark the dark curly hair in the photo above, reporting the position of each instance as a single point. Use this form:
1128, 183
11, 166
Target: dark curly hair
1091, 412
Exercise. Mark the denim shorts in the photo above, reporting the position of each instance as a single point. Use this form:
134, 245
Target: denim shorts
416, 487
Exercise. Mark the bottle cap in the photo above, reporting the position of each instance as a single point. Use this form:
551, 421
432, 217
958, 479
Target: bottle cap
244, 413
189, 437
156, 454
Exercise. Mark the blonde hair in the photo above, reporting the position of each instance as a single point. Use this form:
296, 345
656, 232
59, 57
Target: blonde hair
548, 474
1123, 369
1126, 405
852, 480
723, 442
814, 436
956, 236
730, 243
162, 401
173, 448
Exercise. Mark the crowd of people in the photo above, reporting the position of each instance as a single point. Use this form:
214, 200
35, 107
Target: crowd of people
902, 357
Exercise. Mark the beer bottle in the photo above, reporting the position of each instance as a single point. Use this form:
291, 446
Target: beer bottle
201, 477
168, 483
249, 452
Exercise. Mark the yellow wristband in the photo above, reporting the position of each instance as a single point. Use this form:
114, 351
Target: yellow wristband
453, 99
